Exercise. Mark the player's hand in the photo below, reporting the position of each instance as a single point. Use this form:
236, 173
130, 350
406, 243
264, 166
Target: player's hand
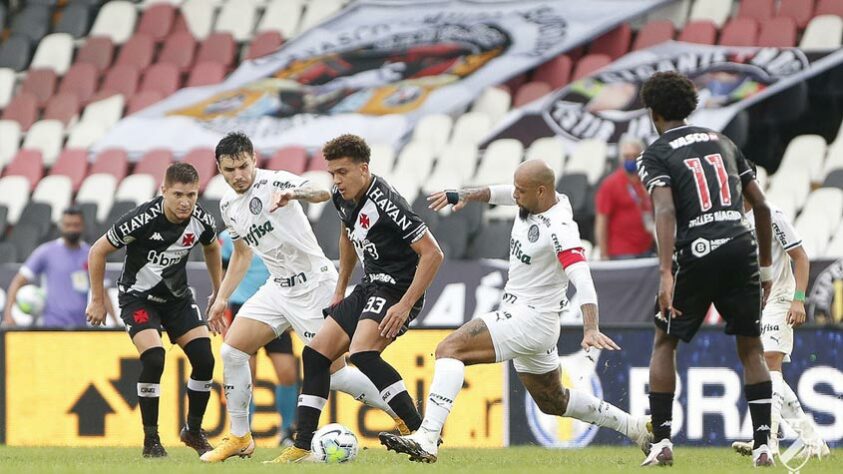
281, 199
95, 313
216, 316
439, 200
211, 298
796, 314
766, 286
666, 296
393, 321
337, 298
596, 339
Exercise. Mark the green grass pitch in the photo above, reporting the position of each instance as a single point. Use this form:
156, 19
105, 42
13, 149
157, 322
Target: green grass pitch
593, 460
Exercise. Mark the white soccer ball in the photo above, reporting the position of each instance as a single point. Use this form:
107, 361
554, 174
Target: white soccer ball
30, 300
334, 443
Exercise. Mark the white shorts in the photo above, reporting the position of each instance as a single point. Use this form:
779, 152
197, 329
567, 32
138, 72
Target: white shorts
776, 334
272, 305
525, 336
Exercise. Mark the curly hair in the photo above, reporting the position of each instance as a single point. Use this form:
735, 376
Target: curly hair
233, 145
669, 94
347, 145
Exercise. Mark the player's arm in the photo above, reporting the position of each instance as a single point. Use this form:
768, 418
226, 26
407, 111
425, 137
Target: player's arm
213, 262
241, 259
96, 275
18, 282
665, 216
801, 268
763, 232
302, 190
348, 258
500, 195
430, 259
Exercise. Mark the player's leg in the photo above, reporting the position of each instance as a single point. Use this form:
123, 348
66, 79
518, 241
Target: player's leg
280, 353
151, 349
196, 344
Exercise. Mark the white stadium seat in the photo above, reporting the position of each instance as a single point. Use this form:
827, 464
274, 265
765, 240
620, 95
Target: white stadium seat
54, 52
835, 247
237, 18
7, 86
784, 201
442, 178
406, 185
795, 183
493, 102
15, 195
316, 11
137, 188
282, 16
834, 160
716, 11
415, 160
382, 159
588, 158
9, 141
499, 162
45, 136
322, 180
826, 203
116, 20
55, 190
105, 112
471, 128
805, 151
823, 32
434, 129
199, 15
676, 12
815, 231
85, 134
98, 189
216, 188
551, 151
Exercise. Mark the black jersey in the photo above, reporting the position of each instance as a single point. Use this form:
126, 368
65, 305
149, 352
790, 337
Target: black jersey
706, 173
157, 250
382, 226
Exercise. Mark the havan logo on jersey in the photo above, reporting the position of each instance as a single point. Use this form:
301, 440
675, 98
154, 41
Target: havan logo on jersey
139, 220
515, 249
256, 232
387, 206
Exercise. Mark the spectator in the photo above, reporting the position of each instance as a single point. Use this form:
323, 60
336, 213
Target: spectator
61, 267
624, 223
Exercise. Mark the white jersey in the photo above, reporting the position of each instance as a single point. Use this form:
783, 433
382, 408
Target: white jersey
283, 239
785, 238
536, 277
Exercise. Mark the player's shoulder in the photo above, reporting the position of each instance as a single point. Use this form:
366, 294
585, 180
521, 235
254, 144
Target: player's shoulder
149, 209
559, 215
381, 189
282, 179
203, 216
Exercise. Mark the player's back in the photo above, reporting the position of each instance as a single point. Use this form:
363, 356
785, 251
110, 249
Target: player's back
706, 173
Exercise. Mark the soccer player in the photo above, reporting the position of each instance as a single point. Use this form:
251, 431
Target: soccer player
153, 293
698, 179
263, 216
400, 258
545, 254
785, 310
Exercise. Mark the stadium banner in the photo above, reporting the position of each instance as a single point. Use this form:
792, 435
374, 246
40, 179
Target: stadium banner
79, 389
607, 104
372, 69
710, 409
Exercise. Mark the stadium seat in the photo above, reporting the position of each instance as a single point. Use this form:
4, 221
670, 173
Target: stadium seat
761, 177
494, 102
178, 50
471, 128
829, 7
382, 159
264, 43
8, 252
758, 10
406, 184
63, 107
815, 232
216, 188
289, 158
833, 161
143, 100
777, 32
106, 112
54, 52
15, 53
161, 77
653, 33
10, 135
121, 79
113, 161
499, 162
700, 31
15, 195
46, 136
443, 177
793, 185
199, 16
41, 83
237, 18
154, 163
589, 64
206, 73
75, 20
575, 186
316, 11
740, 32
98, 51
206, 165
7, 86
716, 11
614, 43
80, 80
98, 189
805, 152
23, 109
118, 209
33, 22
835, 247
116, 20
826, 203
26, 163
551, 151
72, 163
823, 32
433, 129
589, 158
138, 51
415, 160
529, 92
555, 72
460, 158
218, 47
452, 237
137, 188
25, 238
494, 243
84, 135
675, 12
156, 21
55, 190
282, 16
321, 180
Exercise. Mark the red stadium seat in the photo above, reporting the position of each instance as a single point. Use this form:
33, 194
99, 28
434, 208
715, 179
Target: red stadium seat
219, 47
290, 158
758, 10
72, 163
137, 51
699, 31
81, 80
317, 162
62, 107
801, 11
778, 32
27, 163
556, 72
653, 33
23, 109
740, 32
97, 50
113, 161
161, 77
530, 92
206, 73
142, 100
205, 163
154, 163
264, 43
178, 50
614, 44
829, 7
41, 83
590, 63
157, 21
121, 79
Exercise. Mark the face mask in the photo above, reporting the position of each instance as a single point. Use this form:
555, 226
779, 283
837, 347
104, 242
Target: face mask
629, 166
72, 237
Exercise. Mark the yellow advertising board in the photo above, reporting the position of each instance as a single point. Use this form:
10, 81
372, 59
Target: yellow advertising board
78, 389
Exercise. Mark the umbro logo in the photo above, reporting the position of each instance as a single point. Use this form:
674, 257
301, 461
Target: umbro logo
156, 236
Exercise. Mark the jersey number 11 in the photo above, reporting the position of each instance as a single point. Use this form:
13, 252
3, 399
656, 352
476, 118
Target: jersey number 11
696, 166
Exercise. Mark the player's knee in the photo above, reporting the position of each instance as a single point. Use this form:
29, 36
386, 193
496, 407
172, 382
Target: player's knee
152, 362
365, 359
313, 360
231, 356
447, 349
201, 358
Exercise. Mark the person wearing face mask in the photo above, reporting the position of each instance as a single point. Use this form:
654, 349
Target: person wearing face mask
61, 267
624, 222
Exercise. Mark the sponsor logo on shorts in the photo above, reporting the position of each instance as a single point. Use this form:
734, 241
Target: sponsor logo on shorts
382, 278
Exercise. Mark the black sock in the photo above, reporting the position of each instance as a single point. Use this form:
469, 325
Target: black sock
661, 410
759, 396
198, 352
389, 383
315, 389
149, 388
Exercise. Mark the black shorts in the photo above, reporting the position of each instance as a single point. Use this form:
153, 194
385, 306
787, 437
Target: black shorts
369, 301
175, 317
729, 278
282, 344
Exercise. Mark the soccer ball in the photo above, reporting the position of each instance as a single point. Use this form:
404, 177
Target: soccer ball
30, 300
334, 443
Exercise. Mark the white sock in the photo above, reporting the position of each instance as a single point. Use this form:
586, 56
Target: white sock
590, 409
237, 382
448, 376
778, 400
793, 414
353, 382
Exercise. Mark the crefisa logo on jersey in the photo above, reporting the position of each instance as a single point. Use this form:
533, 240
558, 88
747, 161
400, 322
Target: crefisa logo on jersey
255, 205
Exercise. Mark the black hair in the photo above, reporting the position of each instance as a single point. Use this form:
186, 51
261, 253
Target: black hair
347, 145
73, 211
670, 95
234, 144
181, 173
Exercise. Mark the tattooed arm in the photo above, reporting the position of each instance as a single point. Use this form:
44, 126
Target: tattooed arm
497, 194
305, 193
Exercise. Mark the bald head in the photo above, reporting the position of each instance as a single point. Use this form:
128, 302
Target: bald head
536, 173
535, 187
